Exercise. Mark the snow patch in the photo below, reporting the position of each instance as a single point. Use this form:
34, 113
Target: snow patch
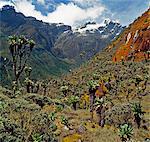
65, 32
117, 34
104, 36
59, 24
92, 27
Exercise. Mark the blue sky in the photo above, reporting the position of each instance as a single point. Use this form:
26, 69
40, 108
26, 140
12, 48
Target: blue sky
76, 12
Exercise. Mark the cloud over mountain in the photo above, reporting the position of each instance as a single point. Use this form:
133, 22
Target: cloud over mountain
69, 13
76, 12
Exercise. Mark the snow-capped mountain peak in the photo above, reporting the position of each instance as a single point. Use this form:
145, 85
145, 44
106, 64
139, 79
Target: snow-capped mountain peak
108, 21
92, 27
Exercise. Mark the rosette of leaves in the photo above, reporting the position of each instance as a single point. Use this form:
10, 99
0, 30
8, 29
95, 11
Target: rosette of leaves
3, 105
52, 116
59, 107
29, 83
138, 79
27, 71
96, 76
44, 85
14, 86
138, 113
125, 132
53, 127
73, 100
64, 121
37, 137
98, 101
1, 122
64, 89
37, 86
92, 84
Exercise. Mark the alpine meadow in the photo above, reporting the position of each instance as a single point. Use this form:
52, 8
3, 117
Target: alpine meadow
74, 71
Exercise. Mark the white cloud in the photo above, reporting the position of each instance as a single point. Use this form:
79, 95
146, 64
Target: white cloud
28, 9
2, 3
87, 3
41, 1
70, 14
25, 7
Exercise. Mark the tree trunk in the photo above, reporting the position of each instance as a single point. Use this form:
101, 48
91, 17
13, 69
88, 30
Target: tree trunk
44, 91
91, 106
74, 106
137, 120
28, 88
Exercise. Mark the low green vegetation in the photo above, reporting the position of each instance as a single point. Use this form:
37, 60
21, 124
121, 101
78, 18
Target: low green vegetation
101, 101
125, 132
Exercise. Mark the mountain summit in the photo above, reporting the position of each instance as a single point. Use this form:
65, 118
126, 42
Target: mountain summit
82, 43
93, 27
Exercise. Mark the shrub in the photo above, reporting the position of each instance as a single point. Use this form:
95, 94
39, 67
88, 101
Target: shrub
138, 113
52, 116
37, 137
64, 121
73, 100
10, 131
38, 99
125, 132
118, 114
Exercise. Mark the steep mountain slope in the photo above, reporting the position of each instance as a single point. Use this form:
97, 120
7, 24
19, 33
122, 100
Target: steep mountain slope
43, 62
84, 42
44, 34
134, 43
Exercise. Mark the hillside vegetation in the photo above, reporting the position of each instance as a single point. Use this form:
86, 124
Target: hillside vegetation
101, 101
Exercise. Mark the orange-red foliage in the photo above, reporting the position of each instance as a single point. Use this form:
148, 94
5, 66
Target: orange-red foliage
137, 45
